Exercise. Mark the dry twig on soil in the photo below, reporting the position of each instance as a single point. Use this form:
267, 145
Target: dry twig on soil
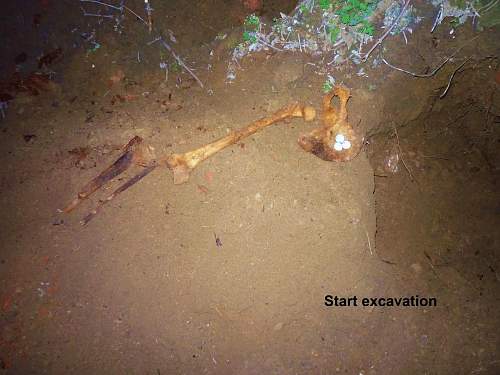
150, 28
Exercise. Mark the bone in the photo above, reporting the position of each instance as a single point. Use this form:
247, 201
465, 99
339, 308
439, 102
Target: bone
132, 181
131, 155
181, 165
321, 141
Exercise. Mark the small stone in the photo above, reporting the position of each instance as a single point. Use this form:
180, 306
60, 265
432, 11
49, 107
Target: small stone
416, 267
278, 326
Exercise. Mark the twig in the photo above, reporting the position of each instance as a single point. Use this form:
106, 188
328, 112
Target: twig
101, 3
436, 69
381, 39
416, 74
487, 7
179, 61
401, 153
369, 243
451, 78
120, 8
269, 45
438, 19
135, 14
429, 260
154, 41
86, 14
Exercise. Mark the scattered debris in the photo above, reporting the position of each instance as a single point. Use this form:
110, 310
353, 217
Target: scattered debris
218, 242
391, 161
460, 14
118, 17
29, 138
49, 58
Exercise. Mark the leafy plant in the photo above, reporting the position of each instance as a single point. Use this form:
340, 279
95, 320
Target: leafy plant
367, 28
455, 22
304, 9
327, 86
353, 12
249, 36
325, 4
175, 67
334, 33
252, 22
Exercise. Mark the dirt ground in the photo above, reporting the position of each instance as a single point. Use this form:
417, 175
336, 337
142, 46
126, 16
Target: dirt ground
228, 273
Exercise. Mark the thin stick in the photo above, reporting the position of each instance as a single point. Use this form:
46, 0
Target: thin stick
135, 14
120, 8
416, 74
369, 243
85, 14
436, 69
381, 39
487, 7
101, 3
451, 78
179, 61
269, 45
401, 153
438, 19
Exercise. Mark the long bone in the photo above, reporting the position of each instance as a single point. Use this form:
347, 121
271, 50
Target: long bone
136, 153
181, 165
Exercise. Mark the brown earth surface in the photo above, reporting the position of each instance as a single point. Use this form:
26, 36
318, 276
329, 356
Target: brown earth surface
228, 273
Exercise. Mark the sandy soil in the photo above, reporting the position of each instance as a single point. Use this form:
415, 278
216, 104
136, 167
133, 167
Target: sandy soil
227, 274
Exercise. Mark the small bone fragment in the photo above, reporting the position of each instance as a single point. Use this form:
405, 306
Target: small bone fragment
320, 142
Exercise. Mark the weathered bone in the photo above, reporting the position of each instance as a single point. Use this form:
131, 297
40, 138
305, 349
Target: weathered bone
320, 141
135, 152
182, 164
130, 155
